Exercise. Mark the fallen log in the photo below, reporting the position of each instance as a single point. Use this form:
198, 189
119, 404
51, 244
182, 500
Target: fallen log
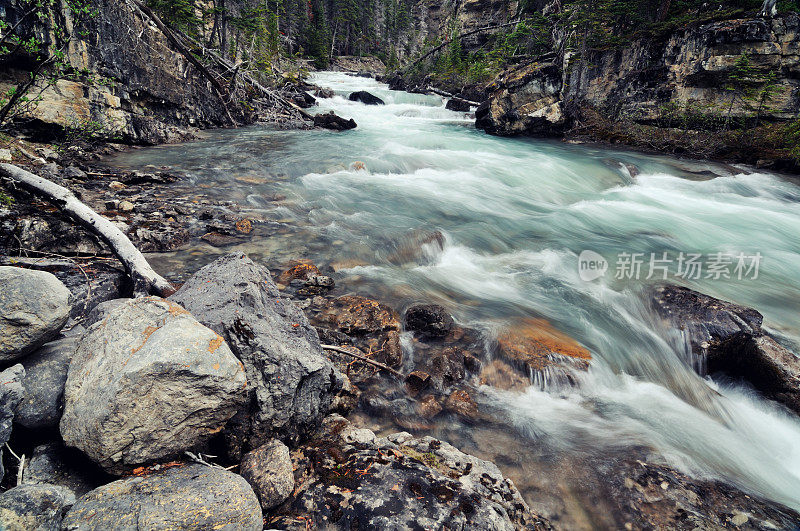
145, 279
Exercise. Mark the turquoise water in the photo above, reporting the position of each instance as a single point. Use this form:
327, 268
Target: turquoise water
515, 215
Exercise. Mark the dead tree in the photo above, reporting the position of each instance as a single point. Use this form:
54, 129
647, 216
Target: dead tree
145, 279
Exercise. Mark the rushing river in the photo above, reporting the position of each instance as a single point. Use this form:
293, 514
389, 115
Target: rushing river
515, 215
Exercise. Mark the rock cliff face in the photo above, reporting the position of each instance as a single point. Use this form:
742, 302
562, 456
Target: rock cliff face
691, 67
132, 83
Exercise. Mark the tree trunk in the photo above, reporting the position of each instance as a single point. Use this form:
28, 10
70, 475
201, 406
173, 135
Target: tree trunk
145, 280
663, 10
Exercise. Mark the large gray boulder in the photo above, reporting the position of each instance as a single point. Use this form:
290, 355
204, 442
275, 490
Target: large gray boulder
186, 497
34, 306
148, 382
45, 377
11, 393
34, 507
291, 382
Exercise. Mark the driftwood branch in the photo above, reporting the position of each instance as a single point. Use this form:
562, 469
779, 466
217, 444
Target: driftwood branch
445, 94
459, 37
145, 280
365, 359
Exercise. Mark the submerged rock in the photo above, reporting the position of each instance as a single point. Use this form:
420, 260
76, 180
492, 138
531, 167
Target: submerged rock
268, 469
728, 338
291, 382
330, 120
181, 498
362, 481
34, 507
148, 382
34, 306
536, 347
366, 98
429, 320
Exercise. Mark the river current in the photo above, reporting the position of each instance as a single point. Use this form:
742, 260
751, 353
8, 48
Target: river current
515, 215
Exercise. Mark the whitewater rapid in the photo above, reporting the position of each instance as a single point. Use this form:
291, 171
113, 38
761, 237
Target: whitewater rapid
515, 215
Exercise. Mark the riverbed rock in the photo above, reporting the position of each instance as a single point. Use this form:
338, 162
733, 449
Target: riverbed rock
535, 347
44, 381
371, 326
11, 394
268, 469
52, 463
301, 270
181, 498
291, 383
360, 480
429, 320
728, 338
331, 120
366, 98
34, 507
148, 382
34, 306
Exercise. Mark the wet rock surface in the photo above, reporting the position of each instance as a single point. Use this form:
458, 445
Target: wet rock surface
34, 306
183, 497
536, 347
430, 320
728, 338
291, 383
357, 480
330, 120
365, 98
148, 382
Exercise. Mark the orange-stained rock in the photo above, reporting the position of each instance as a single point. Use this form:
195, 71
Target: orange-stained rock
536, 345
356, 315
302, 270
245, 226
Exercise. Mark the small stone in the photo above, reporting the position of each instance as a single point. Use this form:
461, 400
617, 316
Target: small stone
268, 469
218, 239
5, 155
302, 271
245, 226
116, 185
429, 407
460, 403
739, 519
417, 381
125, 206
429, 320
